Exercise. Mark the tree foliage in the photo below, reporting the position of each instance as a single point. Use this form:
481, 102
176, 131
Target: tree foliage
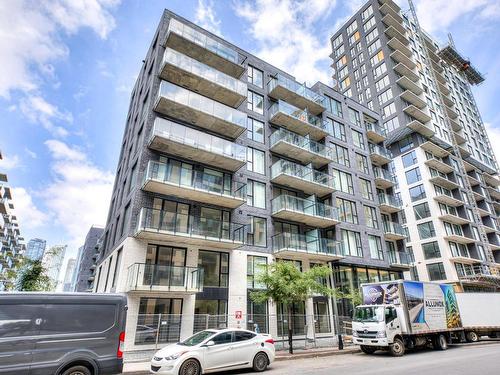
32, 277
353, 295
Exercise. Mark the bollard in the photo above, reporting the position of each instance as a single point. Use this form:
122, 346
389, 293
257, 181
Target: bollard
341, 343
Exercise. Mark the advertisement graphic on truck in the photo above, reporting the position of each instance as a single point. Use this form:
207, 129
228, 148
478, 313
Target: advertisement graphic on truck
431, 307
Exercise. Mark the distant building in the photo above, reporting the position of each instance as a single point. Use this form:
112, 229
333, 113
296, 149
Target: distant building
36, 249
77, 267
86, 259
53, 261
68, 277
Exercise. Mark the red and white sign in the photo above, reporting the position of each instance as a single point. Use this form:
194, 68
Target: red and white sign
238, 315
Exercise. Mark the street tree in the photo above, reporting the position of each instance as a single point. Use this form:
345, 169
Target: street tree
32, 277
285, 284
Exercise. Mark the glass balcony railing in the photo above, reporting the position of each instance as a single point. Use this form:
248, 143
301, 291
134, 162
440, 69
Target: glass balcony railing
376, 128
289, 202
394, 228
283, 135
184, 225
389, 200
295, 87
384, 174
305, 244
206, 72
198, 180
376, 149
202, 104
164, 278
398, 257
301, 172
297, 113
198, 139
203, 40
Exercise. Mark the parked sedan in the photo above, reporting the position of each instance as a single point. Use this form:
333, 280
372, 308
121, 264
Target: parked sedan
215, 350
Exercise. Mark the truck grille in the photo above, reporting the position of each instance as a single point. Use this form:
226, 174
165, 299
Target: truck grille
367, 334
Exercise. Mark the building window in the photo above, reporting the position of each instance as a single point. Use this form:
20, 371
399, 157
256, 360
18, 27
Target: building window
334, 106
375, 245
379, 70
362, 163
255, 130
256, 194
409, 159
258, 229
255, 102
431, 250
351, 242
371, 217
436, 271
357, 139
337, 129
215, 268
340, 155
421, 211
343, 181
406, 144
149, 310
413, 175
255, 76
417, 193
255, 266
256, 160
347, 211
354, 117
366, 189
426, 230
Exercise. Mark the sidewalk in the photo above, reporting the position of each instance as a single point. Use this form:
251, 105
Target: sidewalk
132, 368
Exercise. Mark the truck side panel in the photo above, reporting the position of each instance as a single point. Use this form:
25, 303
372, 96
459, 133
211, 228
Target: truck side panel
479, 309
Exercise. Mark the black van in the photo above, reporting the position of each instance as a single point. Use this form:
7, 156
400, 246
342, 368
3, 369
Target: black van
62, 334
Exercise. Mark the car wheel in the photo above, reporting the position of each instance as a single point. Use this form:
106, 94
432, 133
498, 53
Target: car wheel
77, 370
440, 343
397, 349
260, 362
190, 367
472, 336
368, 349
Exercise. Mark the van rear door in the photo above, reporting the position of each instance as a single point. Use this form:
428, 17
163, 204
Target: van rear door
18, 330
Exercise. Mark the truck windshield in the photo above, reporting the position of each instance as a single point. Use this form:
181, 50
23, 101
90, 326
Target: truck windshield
369, 314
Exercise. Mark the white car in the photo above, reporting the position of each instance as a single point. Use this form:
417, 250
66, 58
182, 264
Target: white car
215, 350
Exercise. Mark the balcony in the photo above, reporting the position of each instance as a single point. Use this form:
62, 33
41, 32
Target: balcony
304, 247
302, 178
408, 84
399, 259
203, 79
480, 273
450, 112
403, 70
297, 120
447, 101
416, 113
4, 206
397, 45
393, 231
395, 22
175, 101
411, 98
455, 125
442, 180
454, 218
459, 237
176, 228
473, 180
459, 138
379, 155
392, 32
179, 140
439, 164
443, 89
389, 203
400, 57
296, 94
383, 178
375, 132
491, 180
494, 192
304, 211
463, 257
386, 8
299, 148
203, 48
421, 128
206, 187
161, 278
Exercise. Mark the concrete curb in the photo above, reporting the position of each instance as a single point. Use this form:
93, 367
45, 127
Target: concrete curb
316, 354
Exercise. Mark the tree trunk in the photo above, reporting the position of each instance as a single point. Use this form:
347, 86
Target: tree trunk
290, 339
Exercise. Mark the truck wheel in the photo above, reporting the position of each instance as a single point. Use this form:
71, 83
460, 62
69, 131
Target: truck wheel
367, 349
440, 342
77, 370
472, 336
397, 349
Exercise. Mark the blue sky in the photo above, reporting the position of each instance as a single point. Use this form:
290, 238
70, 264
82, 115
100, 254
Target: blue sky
68, 68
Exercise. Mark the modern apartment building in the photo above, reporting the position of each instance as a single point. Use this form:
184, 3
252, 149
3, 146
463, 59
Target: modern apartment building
86, 262
447, 175
53, 261
11, 242
35, 249
228, 163
68, 275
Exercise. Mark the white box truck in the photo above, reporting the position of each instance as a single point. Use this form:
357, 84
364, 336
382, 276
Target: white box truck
480, 314
400, 315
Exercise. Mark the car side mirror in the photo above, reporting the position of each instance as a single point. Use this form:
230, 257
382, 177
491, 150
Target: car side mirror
209, 343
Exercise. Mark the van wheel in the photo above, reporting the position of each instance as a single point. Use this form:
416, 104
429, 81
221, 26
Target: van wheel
260, 362
440, 343
472, 336
367, 349
397, 349
77, 370
190, 367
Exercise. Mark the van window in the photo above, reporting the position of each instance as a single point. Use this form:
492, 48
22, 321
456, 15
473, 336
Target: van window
77, 318
18, 320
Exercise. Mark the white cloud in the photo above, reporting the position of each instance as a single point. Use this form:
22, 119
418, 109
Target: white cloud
28, 214
38, 110
61, 151
31, 154
10, 161
205, 16
285, 35
494, 136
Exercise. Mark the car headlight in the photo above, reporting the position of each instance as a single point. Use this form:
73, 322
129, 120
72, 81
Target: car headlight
354, 334
381, 334
174, 356
157, 358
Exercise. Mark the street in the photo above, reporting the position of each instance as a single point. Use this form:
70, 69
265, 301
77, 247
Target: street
480, 358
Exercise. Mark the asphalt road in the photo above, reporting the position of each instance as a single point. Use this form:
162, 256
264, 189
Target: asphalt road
481, 358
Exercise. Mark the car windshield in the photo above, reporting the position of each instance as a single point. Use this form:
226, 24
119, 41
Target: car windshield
369, 314
197, 338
